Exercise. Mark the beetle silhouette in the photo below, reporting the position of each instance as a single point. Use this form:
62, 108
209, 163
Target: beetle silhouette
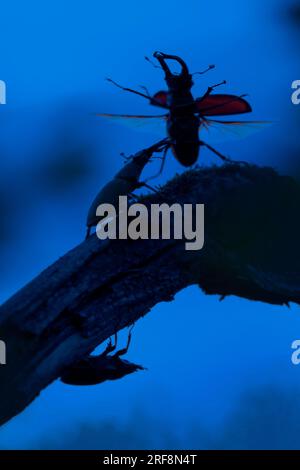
94, 370
187, 116
124, 183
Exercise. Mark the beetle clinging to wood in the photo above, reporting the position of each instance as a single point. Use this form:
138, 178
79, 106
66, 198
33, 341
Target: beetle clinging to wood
94, 370
187, 116
124, 183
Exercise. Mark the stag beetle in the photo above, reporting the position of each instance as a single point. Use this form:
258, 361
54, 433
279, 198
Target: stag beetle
94, 370
186, 115
124, 182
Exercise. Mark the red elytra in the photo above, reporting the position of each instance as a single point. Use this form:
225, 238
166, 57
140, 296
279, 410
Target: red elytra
160, 99
187, 116
222, 105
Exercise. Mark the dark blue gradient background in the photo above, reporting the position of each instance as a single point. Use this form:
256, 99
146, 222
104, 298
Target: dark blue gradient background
219, 374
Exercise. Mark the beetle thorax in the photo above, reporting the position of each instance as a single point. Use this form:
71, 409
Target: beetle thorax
177, 83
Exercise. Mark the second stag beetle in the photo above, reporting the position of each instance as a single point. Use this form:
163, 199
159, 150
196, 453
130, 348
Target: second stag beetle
93, 370
124, 183
187, 116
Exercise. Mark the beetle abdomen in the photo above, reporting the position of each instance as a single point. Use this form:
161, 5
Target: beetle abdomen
185, 152
184, 138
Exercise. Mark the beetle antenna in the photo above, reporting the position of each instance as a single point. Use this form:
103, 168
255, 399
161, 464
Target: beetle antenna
210, 67
152, 63
219, 84
129, 89
145, 90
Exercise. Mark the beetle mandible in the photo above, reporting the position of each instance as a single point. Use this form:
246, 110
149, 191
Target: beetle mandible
187, 116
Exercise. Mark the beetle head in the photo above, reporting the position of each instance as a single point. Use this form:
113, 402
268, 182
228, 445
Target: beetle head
180, 81
97, 369
122, 367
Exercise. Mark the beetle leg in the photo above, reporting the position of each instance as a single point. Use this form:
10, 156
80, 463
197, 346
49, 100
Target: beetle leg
134, 197
163, 160
225, 159
153, 100
123, 351
150, 187
143, 184
125, 157
110, 347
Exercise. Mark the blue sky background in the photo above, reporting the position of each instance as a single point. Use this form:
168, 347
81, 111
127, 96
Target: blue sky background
219, 374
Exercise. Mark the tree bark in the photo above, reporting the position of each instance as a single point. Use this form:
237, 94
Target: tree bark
251, 250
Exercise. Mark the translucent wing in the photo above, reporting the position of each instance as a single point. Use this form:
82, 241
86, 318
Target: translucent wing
220, 131
152, 124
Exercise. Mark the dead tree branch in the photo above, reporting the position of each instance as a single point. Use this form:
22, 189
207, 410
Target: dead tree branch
251, 250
